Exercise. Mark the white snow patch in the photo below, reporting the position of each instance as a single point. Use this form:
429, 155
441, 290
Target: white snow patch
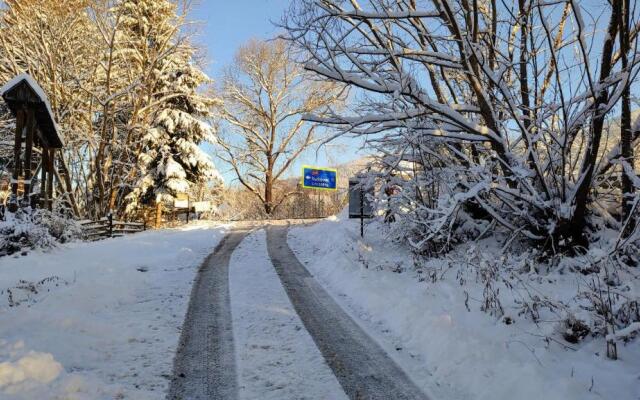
33, 367
98, 320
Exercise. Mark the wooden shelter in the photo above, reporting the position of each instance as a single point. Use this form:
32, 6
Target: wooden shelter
36, 134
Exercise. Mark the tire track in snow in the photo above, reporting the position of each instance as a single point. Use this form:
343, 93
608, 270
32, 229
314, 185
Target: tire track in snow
204, 367
362, 367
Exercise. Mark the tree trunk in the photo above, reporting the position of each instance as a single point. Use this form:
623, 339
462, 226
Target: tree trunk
158, 223
576, 226
626, 148
268, 186
268, 194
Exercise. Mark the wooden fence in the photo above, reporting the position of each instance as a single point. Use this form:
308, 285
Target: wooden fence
108, 227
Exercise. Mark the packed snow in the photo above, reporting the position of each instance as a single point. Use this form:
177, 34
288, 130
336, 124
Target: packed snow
453, 352
98, 320
276, 357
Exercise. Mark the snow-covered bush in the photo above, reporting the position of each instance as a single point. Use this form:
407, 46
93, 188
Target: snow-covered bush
38, 229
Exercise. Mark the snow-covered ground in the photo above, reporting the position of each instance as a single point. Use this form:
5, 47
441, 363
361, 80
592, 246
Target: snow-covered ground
276, 357
453, 353
98, 320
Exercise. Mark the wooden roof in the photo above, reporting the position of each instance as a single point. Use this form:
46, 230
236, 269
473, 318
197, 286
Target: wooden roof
24, 91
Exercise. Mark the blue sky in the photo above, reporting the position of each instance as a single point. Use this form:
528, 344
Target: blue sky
224, 25
227, 24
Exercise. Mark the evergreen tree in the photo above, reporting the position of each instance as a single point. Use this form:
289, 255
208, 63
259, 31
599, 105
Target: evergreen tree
172, 160
168, 121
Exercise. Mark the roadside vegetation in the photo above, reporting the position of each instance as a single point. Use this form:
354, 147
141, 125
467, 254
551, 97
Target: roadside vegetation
502, 122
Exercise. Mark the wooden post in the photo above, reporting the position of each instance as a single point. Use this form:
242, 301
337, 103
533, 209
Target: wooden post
110, 218
43, 178
50, 166
28, 150
17, 161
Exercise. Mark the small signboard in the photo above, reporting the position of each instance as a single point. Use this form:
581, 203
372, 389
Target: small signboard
181, 203
319, 178
202, 206
360, 205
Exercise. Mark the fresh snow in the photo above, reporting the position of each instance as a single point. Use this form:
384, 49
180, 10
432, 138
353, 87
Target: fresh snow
450, 352
102, 321
277, 358
98, 320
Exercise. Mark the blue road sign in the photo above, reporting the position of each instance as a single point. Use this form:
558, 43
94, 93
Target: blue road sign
319, 178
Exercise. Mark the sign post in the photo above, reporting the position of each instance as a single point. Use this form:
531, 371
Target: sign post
361, 214
360, 205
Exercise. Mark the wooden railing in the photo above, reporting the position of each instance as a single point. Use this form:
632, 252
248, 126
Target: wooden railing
108, 227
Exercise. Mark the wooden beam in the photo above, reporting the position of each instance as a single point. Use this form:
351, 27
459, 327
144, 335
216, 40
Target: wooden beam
35, 200
17, 161
28, 151
43, 179
51, 162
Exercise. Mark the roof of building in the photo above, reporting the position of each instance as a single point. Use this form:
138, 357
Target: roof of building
24, 90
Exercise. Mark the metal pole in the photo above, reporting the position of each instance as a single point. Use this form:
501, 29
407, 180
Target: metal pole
361, 213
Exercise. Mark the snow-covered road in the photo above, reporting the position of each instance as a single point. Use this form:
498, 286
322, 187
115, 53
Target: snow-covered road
204, 367
102, 321
338, 317
363, 368
290, 339
276, 357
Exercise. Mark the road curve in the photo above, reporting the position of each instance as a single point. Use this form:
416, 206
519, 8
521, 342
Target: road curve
204, 366
363, 368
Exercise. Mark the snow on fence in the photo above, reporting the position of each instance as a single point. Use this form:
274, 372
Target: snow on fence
108, 227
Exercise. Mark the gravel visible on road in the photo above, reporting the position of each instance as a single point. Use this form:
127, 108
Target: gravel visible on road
362, 367
204, 367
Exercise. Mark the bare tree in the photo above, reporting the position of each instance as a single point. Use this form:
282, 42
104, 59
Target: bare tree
265, 94
496, 110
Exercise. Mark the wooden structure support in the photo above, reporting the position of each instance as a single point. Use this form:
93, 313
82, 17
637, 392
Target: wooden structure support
35, 129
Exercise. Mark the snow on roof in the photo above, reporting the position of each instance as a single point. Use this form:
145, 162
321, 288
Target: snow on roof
31, 82
40, 93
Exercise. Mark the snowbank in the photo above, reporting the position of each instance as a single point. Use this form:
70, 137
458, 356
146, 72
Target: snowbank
451, 351
98, 320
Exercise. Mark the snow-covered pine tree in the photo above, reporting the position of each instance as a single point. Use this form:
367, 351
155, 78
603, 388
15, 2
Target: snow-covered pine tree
168, 117
172, 160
